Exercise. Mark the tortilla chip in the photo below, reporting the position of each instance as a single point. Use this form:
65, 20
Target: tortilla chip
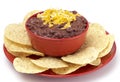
96, 38
17, 33
67, 70
50, 62
95, 28
29, 14
96, 62
18, 54
17, 48
109, 47
82, 57
24, 65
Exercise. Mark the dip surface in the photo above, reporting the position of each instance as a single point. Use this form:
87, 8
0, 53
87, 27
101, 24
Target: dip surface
37, 26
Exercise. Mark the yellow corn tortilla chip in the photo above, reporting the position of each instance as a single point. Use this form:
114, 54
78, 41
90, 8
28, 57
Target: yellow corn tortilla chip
50, 62
95, 28
96, 62
24, 65
18, 54
14, 47
96, 37
82, 57
67, 70
29, 14
99, 42
17, 33
109, 47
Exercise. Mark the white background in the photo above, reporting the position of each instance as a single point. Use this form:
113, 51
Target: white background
105, 12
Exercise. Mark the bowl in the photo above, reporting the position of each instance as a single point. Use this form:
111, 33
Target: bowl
53, 46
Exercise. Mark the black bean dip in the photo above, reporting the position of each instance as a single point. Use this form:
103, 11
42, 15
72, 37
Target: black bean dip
37, 26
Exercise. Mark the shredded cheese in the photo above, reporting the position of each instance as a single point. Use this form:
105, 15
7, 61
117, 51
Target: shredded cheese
54, 16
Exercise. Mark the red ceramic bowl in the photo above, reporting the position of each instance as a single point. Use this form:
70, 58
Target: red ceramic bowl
56, 47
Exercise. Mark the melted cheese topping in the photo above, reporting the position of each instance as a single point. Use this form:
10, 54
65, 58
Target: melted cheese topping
53, 17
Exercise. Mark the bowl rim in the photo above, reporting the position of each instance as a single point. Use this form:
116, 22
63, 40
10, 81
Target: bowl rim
55, 39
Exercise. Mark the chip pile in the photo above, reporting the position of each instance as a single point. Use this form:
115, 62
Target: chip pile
97, 45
